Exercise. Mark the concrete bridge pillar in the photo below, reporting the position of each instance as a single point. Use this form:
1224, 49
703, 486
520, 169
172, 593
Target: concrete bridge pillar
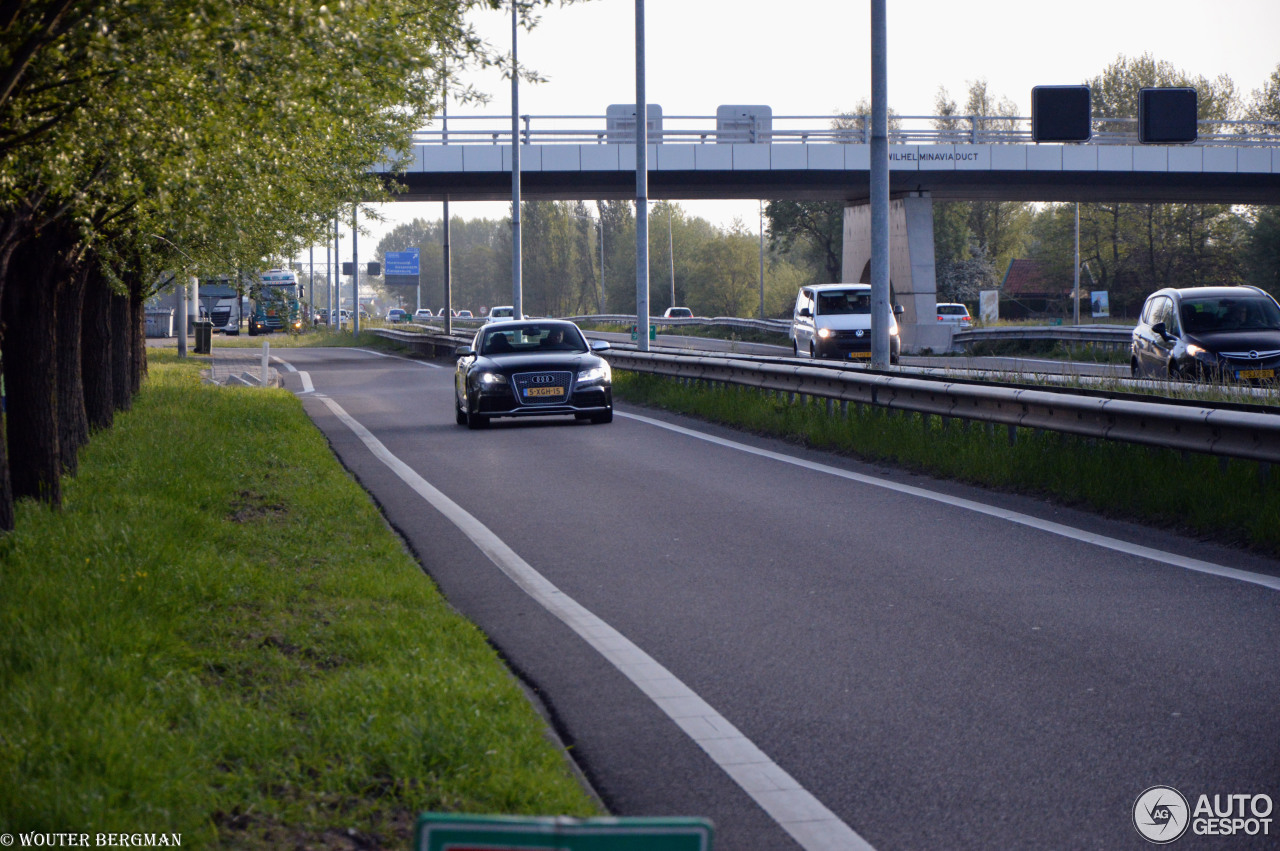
912, 279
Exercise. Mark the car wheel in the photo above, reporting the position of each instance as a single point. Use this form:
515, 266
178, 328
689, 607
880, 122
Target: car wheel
813, 353
795, 349
602, 417
894, 360
1133, 367
477, 421
459, 415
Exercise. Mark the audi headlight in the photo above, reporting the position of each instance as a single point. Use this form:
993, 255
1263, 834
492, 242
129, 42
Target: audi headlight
489, 379
596, 375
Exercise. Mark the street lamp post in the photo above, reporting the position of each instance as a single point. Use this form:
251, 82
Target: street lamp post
599, 223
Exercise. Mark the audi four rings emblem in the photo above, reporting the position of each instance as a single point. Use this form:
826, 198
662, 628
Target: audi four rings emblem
542, 379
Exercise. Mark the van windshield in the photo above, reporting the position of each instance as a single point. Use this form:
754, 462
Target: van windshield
844, 301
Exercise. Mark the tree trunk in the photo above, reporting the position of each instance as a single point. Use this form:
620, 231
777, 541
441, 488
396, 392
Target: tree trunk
137, 337
95, 351
120, 349
8, 243
73, 423
30, 368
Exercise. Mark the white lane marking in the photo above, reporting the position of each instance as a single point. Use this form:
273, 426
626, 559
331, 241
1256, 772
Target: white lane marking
397, 357
800, 814
307, 386
1272, 582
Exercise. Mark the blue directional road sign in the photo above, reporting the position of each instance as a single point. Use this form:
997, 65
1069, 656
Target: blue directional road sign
402, 262
402, 268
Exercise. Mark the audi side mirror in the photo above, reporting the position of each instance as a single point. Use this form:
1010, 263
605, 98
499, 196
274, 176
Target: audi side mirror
463, 352
600, 345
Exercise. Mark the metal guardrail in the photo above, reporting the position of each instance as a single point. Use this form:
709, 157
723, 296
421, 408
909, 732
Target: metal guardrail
811, 129
1102, 335
1216, 431
778, 325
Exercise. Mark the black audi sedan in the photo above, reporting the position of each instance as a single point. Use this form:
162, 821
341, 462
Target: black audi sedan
530, 368
1208, 333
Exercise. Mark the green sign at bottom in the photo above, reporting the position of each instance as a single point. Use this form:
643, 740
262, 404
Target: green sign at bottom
439, 832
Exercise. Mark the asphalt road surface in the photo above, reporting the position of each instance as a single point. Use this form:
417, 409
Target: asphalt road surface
815, 652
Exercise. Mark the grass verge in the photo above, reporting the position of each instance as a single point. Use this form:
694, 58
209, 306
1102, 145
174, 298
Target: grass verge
219, 636
1233, 502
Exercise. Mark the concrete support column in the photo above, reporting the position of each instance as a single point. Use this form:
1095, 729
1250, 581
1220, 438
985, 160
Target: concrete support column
912, 274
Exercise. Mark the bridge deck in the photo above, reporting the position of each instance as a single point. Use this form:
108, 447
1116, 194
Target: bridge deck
1245, 174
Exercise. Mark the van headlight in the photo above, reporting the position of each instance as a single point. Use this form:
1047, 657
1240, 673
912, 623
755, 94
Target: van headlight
824, 333
893, 326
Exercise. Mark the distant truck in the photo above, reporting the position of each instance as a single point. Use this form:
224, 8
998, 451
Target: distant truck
275, 303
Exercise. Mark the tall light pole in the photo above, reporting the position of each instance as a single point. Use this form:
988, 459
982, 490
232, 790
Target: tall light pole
517, 307
671, 253
880, 309
599, 223
642, 191
762, 258
1076, 289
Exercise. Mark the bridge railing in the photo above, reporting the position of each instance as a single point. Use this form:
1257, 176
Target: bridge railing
814, 129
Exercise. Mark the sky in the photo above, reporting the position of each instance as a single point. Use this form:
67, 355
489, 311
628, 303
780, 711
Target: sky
813, 57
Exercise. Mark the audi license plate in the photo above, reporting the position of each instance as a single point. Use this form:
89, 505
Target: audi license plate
1256, 373
859, 354
541, 391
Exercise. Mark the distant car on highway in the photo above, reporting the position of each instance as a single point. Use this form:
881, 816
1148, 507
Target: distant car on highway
422, 314
523, 368
952, 313
677, 313
395, 314
464, 314
500, 313
1208, 333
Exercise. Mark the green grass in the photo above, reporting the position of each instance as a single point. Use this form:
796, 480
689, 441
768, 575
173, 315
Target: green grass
219, 636
1233, 502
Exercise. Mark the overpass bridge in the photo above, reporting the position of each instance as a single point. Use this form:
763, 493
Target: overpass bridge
746, 152
569, 157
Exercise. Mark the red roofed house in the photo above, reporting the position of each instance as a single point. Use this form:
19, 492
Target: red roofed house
1030, 290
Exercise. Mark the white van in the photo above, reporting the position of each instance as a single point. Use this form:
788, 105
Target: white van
834, 321
501, 313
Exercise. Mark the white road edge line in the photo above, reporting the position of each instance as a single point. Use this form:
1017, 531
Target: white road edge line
797, 811
397, 357
290, 367
1065, 531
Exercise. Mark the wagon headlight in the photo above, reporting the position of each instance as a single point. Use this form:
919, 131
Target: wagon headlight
596, 375
1198, 352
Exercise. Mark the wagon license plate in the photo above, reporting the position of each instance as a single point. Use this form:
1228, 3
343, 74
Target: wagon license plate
542, 391
1256, 373
859, 354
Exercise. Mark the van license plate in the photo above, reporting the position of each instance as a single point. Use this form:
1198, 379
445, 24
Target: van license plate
859, 354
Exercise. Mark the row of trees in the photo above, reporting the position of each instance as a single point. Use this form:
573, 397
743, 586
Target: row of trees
1130, 249
143, 141
716, 271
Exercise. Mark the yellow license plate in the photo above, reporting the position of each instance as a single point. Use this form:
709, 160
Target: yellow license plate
542, 391
859, 354
1257, 373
